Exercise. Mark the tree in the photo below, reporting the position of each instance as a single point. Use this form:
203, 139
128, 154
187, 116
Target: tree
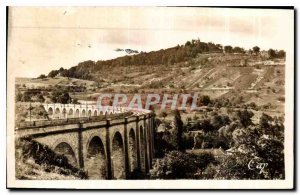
60, 96
256, 49
235, 166
26, 97
42, 76
41, 98
254, 149
228, 49
226, 131
198, 140
271, 151
219, 121
39, 112
204, 100
265, 124
188, 43
238, 50
281, 54
252, 145
179, 165
53, 73
271, 53
219, 46
64, 98
206, 125
75, 101
246, 137
244, 117
19, 97
271, 126
178, 130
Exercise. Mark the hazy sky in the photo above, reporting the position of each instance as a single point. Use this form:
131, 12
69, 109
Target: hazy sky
41, 39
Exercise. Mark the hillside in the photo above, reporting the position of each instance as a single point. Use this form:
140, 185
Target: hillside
209, 69
37, 161
195, 53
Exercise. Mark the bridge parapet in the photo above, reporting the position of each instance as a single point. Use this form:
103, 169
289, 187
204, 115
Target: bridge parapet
53, 122
62, 111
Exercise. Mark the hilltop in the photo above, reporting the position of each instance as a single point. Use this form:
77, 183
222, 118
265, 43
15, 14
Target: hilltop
192, 53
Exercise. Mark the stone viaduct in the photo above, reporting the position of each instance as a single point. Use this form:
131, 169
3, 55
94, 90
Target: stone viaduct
61, 111
114, 147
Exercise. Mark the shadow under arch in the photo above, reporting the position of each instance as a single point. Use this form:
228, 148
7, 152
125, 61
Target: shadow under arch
96, 159
50, 112
142, 149
70, 114
65, 149
64, 113
77, 113
118, 157
83, 113
132, 151
95, 113
56, 113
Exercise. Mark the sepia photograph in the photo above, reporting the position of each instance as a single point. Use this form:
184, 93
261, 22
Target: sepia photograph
150, 97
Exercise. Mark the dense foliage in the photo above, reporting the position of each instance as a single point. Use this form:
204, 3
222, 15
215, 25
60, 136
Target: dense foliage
254, 150
180, 53
179, 165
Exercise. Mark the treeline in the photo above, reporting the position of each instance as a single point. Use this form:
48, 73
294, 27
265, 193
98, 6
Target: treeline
177, 54
171, 55
276, 54
59, 94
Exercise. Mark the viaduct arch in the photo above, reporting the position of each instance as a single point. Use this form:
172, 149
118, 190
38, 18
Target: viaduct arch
106, 148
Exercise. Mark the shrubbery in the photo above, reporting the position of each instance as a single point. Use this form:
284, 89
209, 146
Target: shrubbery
179, 165
33, 157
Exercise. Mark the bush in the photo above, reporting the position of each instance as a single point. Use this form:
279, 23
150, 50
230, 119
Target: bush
42, 76
60, 96
179, 165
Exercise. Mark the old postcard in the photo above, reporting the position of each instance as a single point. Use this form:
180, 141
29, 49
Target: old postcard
150, 98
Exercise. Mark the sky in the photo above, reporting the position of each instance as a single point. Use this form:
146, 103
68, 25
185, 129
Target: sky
41, 39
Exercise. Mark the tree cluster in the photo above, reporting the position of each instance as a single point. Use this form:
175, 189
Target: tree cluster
276, 54
60, 96
179, 165
177, 54
30, 95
